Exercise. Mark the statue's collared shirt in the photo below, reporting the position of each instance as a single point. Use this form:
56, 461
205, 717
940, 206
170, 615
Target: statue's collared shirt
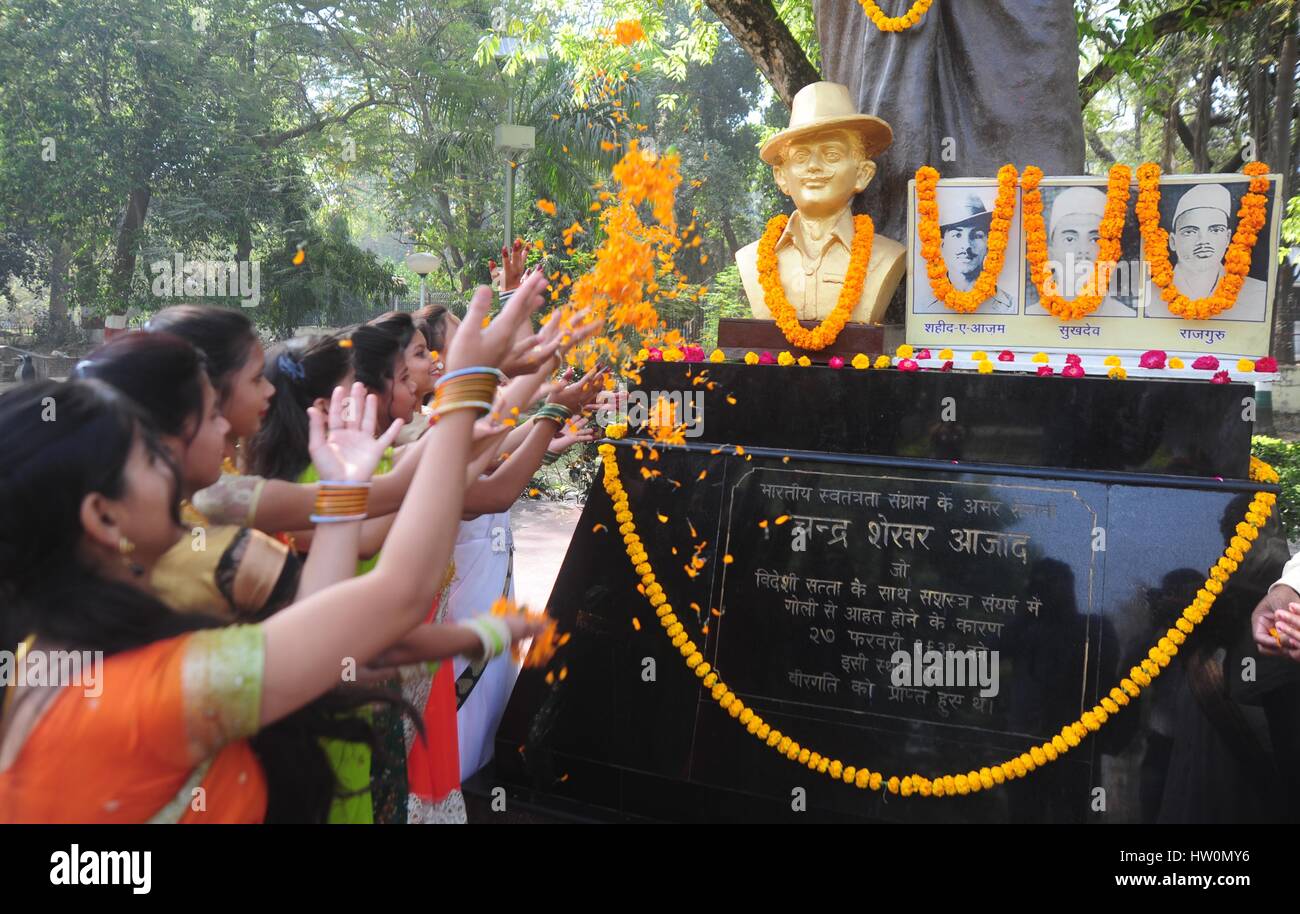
812, 273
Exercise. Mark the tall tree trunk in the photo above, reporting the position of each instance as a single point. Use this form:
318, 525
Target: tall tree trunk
1138, 111
1284, 312
729, 234
1167, 141
128, 239
243, 240
1201, 137
60, 259
759, 30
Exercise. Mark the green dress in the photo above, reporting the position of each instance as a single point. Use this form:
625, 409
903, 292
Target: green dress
367, 792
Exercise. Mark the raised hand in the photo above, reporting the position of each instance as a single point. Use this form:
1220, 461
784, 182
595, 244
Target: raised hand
476, 345
512, 265
578, 395
561, 333
575, 431
348, 450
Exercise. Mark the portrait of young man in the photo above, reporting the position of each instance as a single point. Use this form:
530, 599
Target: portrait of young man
1073, 220
1200, 230
964, 221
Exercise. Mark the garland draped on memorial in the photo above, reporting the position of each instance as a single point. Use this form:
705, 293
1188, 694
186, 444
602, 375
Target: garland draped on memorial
1155, 251
821, 336
901, 23
862, 777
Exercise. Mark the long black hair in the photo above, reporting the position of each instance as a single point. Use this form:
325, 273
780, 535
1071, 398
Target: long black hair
377, 345
302, 370
224, 336
60, 442
431, 322
161, 372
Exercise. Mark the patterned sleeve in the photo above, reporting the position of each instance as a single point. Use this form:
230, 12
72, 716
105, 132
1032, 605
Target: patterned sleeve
232, 499
221, 687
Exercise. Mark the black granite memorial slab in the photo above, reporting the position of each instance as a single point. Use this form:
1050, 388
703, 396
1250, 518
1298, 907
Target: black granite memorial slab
1175, 427
1063, 577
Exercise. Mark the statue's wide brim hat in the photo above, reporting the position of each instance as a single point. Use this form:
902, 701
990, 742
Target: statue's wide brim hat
826, 106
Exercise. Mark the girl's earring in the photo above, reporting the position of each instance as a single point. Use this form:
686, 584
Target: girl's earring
126, 549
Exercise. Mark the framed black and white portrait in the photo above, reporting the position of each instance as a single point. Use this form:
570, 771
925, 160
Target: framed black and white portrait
965, 218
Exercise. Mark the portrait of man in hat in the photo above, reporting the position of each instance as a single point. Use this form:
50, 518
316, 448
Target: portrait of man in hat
1073, 238
1199, 234
821, 161
964, 221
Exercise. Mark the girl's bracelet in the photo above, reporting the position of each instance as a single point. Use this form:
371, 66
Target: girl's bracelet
482, 369
493, 635
340, 502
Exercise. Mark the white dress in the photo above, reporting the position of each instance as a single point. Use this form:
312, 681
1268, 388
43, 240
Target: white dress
484, 558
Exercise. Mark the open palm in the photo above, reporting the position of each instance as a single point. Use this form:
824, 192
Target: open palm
349, 451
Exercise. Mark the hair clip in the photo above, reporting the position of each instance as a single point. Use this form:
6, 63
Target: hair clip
290, 366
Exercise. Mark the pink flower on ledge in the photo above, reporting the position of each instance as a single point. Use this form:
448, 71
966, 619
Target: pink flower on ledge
1073, 370
656, 354
1152, 358
1006, 355
1206, 363
1220, 377
765, 358
1045, 370
1267, 363
836, 362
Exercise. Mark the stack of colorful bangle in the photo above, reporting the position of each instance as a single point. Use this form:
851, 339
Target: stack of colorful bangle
466, 388
555, 411
339, 502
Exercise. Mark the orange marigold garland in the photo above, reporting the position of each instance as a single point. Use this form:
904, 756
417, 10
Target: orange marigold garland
1236, 262
927, 182
1070, 736
1108, 250
895, 23
769, 276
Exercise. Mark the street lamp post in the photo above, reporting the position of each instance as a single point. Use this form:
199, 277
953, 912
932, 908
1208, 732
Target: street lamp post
423, 263
511, 139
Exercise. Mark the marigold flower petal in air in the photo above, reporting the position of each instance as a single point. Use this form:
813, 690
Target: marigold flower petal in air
547, 207
628, 32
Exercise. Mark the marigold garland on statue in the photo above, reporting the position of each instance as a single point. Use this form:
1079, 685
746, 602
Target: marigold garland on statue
769, 277
1131, 687
1109, 249
927, 181
901, 23
1236, 262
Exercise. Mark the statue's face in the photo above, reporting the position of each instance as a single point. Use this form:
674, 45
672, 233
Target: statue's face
821, 173
1200, 238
